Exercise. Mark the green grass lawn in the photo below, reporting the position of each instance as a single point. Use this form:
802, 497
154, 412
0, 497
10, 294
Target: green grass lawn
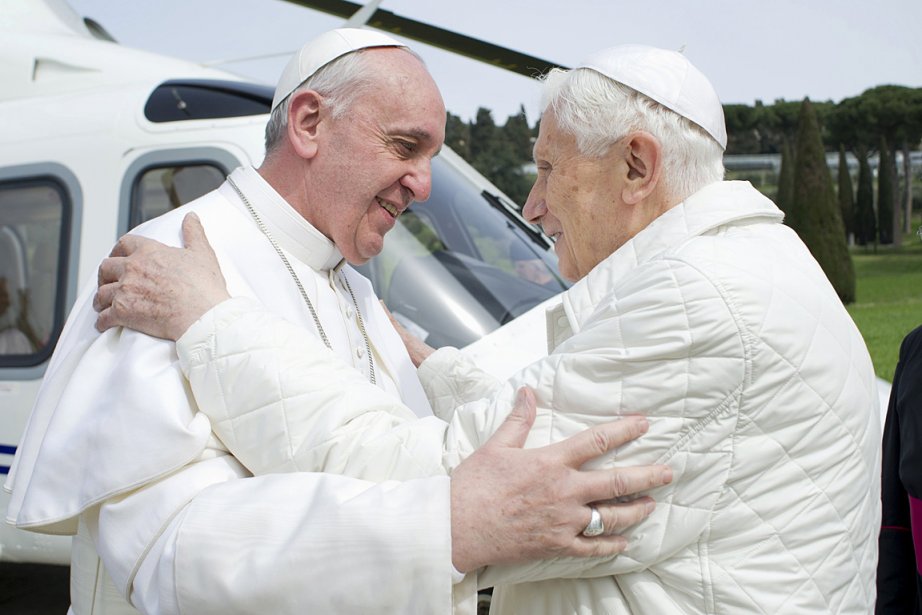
889, 299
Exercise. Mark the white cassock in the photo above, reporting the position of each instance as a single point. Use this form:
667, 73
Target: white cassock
117, 453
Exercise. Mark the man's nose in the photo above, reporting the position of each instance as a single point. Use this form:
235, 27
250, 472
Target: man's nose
535, 206
419, 180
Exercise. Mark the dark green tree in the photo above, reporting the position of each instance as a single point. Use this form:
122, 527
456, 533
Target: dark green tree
865, 218
846, 195
742, 129
818, 220
885, 194
495, 156
484, 140
911, 136
518, 134
776, 122
458, 136
889, 111
785, 197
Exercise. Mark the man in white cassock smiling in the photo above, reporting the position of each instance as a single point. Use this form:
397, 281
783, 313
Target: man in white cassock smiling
168, 521
692, 303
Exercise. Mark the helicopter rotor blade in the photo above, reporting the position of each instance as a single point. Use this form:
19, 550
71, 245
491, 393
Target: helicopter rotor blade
468, 46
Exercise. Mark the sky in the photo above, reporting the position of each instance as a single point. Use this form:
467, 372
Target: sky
750, 49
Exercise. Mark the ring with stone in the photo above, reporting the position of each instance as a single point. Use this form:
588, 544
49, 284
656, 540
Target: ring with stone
595, 527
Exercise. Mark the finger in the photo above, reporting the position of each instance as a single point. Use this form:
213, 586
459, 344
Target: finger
193, 234
110, 270
616, 517
126, 245
600, 439
105, 320
103, 297
514, 430
600, 485
598, 546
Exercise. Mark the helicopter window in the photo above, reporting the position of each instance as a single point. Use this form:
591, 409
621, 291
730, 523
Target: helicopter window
160, 189
176, 101
34, 221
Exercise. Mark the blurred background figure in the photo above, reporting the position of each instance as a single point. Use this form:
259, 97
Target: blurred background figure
529, 266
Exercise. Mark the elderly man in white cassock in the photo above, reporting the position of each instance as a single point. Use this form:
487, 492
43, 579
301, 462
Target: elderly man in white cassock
168, 521
692, 302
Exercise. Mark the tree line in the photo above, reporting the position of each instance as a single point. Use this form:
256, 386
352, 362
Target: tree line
884, 122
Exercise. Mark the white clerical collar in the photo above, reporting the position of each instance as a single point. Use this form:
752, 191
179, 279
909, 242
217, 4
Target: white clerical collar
290, 230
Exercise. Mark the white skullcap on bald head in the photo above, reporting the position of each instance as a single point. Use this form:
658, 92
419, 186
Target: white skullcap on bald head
668, 78
321, 51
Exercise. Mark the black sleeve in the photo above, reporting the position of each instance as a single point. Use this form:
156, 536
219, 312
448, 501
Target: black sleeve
899, 585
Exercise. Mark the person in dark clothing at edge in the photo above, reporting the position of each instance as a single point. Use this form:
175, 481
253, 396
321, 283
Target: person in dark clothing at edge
899, 569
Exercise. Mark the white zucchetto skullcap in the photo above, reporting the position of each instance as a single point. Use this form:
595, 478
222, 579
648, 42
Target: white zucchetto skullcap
321, 51
668, 78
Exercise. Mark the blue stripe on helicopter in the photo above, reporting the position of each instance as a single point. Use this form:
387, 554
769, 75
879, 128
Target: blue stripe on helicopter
6, 450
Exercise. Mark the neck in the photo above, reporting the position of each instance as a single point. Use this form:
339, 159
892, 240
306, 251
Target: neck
291, 184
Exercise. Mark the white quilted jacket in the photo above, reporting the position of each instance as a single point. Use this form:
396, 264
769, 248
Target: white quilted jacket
717, 324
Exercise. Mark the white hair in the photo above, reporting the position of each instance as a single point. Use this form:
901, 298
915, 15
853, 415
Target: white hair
340, 82
599, 111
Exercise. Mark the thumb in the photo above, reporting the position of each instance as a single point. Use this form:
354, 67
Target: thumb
514, 430
193, 234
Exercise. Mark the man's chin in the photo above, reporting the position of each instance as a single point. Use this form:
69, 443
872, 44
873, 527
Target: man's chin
362, 256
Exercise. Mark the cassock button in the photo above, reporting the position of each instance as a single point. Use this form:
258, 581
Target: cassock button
360, 352
349, 312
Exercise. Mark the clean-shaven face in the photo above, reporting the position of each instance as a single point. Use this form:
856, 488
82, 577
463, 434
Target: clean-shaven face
376, 158
576, 199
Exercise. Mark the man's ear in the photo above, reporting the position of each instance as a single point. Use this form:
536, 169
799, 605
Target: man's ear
644, 157
305, 115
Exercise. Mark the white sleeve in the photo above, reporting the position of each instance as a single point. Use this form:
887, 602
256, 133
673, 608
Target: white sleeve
281, 401
452, 379
289, 543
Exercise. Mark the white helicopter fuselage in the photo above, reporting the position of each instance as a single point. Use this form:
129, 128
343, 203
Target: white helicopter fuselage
72, 119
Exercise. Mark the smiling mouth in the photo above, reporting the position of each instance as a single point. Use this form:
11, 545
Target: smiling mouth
388, 207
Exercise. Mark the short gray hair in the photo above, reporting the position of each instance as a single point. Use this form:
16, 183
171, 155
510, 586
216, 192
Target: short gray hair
599, 111
340, 82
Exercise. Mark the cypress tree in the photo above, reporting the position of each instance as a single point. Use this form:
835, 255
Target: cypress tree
865, 220
885, 194
784, 199
816, 205
846, 195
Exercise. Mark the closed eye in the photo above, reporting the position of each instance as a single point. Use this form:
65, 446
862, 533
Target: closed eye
406, 148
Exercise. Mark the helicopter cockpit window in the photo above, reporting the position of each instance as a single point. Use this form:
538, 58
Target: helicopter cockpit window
455, 268
34, 220
160, 189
